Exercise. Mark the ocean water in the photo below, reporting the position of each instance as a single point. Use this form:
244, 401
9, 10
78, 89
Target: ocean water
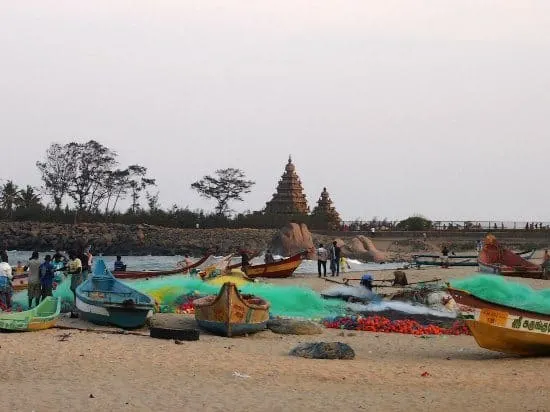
169, 262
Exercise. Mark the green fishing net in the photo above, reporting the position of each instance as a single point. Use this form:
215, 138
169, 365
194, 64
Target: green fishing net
496, 289
170, 292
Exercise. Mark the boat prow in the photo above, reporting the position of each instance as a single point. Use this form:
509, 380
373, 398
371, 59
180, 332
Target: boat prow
230, 313
43, 316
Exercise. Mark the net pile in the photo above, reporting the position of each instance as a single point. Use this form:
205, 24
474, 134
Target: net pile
498, 290
171, 294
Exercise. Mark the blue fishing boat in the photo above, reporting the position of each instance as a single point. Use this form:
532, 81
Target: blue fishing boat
102, 299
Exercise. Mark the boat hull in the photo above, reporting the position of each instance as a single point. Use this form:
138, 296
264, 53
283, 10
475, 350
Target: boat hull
136, 274
503, 328
508, 340
231, 329
114, 315
44, 316
281, 269
102, 299
230, 314
495, 258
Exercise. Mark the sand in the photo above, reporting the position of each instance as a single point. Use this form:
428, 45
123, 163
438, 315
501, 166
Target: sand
99, 371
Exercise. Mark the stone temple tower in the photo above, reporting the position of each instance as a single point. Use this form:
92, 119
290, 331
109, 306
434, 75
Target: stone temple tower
325, 210
289, 198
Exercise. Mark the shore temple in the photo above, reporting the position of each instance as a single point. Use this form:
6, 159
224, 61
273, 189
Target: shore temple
289, 199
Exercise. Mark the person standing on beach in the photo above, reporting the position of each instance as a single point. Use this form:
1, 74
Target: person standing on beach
335, 259
75, 270
6, 288
268, 258
322, 257
445, 257
46, 277
34, 289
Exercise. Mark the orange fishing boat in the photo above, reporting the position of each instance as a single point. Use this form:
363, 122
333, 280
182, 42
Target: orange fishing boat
496, 259
280, 269
139, 274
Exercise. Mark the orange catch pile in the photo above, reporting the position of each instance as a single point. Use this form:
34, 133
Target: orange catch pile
385, 325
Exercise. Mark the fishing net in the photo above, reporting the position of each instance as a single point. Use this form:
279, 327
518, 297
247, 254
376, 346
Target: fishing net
498, 290
171, 293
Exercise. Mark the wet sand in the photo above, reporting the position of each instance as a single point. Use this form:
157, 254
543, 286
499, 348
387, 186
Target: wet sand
129, 373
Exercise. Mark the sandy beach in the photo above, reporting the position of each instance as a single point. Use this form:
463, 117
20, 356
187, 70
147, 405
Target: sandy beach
101, 371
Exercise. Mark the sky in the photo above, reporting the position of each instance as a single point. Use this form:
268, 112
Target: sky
432, 107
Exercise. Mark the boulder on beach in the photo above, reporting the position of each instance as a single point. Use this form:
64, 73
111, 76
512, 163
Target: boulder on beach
323, 350
362, 245
294, 327
292, 238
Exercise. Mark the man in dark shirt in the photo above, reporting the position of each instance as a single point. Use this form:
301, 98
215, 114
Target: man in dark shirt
46, 277
335, 259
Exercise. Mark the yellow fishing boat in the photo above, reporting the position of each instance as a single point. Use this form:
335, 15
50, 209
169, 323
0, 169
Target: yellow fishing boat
230, 313
503, 328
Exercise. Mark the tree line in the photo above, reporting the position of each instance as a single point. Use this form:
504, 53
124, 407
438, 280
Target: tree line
84, 182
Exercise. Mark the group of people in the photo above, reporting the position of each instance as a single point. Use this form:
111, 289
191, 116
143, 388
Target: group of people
334, 255
41, 274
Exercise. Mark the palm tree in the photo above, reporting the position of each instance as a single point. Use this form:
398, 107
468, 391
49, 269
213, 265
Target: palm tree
28, 198
9, 193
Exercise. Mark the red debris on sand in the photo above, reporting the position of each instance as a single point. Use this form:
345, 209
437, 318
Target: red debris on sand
382, 324
424, 374
186, 307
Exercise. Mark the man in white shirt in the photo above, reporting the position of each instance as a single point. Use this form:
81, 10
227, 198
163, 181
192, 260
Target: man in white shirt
6, 289
322, 257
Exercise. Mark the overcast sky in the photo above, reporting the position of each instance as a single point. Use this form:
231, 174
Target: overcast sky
435, 107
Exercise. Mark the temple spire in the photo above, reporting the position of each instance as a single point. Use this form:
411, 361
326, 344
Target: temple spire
290, 197
326, 211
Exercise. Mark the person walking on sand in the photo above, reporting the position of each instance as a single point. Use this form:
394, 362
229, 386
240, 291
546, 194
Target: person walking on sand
334, 254
46, 277
322, 257
34, 289
344, 265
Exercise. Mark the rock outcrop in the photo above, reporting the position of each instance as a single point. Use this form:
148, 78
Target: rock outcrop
141, 239
363, 246
291, 239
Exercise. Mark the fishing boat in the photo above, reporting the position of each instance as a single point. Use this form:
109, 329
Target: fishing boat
140, 274
103, 299
230, 313
496, 259
504, 328
41, 317
280, 269
459, 260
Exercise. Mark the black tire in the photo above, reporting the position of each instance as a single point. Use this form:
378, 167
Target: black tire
178, 334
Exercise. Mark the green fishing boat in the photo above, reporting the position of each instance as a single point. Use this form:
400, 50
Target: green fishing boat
41, 317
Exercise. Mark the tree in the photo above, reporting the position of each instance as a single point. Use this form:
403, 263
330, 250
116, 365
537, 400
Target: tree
28, 198
93, 163
152, 201
9, 194
229, 184
58, 171
415, 223
137, 182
